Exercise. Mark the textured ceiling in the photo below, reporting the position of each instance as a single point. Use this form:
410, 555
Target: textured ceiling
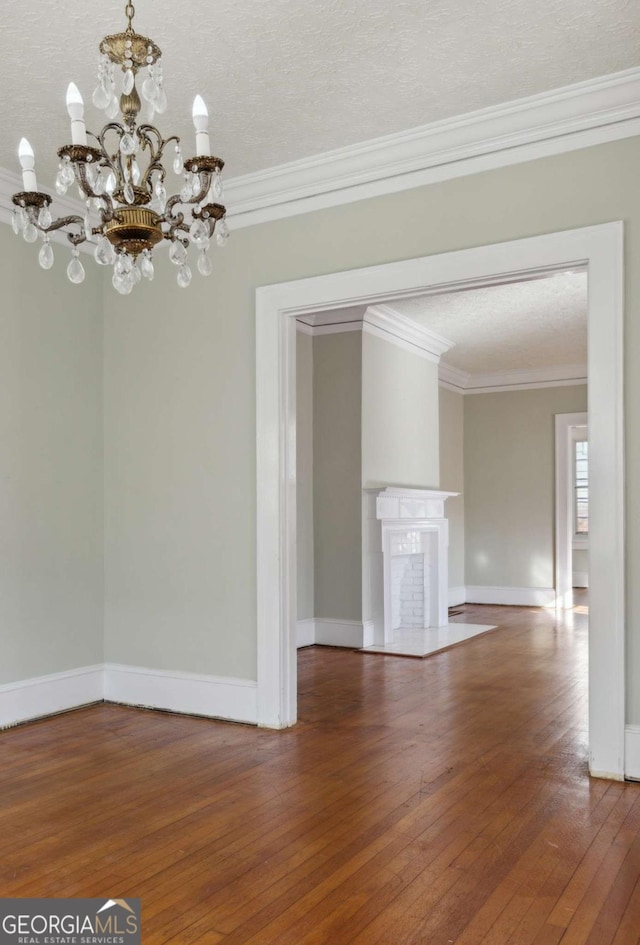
285, 79
542, 323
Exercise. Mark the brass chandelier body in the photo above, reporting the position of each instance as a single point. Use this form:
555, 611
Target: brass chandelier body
128, 211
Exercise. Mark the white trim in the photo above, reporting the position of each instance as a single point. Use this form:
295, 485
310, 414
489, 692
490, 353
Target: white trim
326, 631
349, 633
305, 329
600, 248
564, 423
520, 379
335, 328
218, 697
383, 321
512, 596
603, 109
581, 579
632, 752
46, 695
457, 596
576, 116
305, 632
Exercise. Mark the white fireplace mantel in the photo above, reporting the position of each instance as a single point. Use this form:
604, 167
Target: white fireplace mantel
412, 522
393, 503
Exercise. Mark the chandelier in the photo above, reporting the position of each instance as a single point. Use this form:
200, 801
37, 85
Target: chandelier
122, 179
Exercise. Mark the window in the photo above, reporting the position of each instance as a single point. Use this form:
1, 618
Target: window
581, 489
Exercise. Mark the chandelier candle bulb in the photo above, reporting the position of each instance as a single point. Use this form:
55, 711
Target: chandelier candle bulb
28, 165
75, 108
201, 124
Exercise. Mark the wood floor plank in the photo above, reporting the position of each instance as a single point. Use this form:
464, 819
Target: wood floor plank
443, 801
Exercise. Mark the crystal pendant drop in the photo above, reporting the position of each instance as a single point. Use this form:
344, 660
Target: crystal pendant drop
75, 269
66, 172
205, 266
45, 256
217, 185
177, 253
222, 232
30, 233
44, 218
149, 88
178, 165
129, 194
122, 283
61, 187
104, 253
16, 223
110, 185
135, 172
146, 265
128, 82
184, 276
128, 144
101, 96
98, 187
161, 194
160, 102
186, 193
199, 232
113, 108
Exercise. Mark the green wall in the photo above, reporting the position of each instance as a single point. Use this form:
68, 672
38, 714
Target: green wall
509, 477
180, 394
51, 538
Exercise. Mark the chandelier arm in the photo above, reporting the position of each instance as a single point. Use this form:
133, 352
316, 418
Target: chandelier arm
62, 222
167, 216
156, 152
205, 186
87, 189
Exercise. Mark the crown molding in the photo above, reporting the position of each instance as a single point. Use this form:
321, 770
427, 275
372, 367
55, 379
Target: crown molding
522, 379
576, 116
384, 322
453, 378
334, 328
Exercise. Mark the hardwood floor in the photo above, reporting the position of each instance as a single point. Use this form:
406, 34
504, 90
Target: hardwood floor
432, 802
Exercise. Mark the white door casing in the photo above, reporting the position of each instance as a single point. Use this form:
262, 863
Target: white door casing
565, 422
600, 250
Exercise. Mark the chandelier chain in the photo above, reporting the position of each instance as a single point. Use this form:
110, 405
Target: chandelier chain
129, 12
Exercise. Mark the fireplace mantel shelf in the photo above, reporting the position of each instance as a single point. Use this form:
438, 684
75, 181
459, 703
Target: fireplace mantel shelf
398, 504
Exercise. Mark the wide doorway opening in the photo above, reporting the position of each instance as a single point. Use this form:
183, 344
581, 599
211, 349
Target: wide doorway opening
596, 250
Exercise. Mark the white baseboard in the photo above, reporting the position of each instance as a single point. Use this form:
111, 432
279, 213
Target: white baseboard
45, 695
329, 632
512, 596
632, 752
457, 596
305, 632
581, 579
218, 697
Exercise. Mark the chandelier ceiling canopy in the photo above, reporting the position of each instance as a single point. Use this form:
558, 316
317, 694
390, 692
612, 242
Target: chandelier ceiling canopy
122, 178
